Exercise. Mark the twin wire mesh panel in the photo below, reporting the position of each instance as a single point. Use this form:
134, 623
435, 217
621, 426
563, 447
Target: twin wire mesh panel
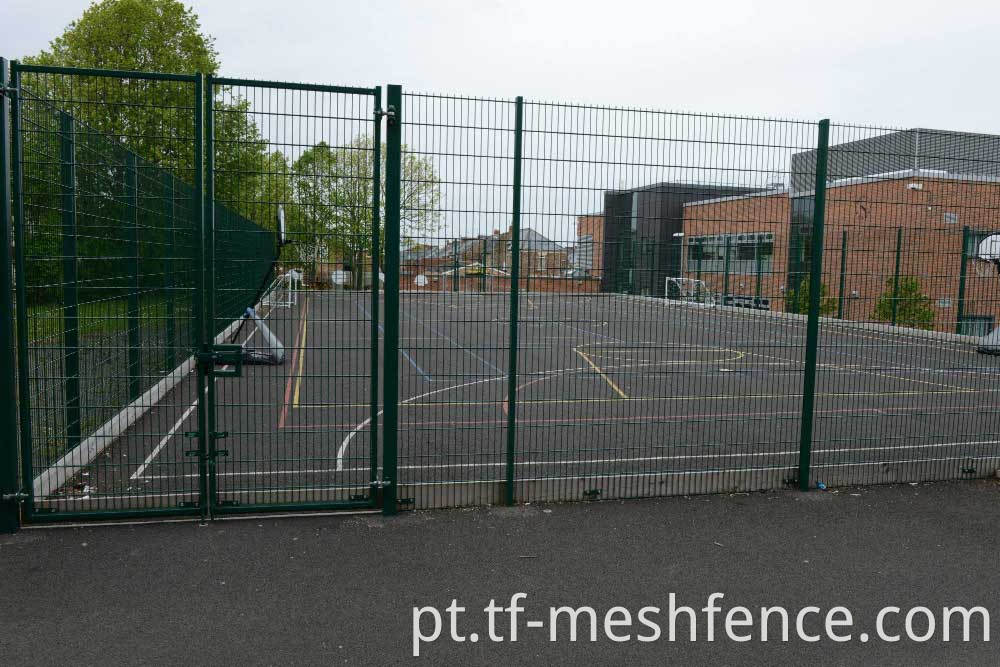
301, 432
614, 392
119, 291
902, 398
106, 233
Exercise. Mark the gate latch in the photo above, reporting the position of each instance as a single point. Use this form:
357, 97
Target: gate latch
223, 355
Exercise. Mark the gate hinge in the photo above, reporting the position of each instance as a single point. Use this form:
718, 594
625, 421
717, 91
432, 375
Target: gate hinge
7, 90
389, 113
380, 483
17, 497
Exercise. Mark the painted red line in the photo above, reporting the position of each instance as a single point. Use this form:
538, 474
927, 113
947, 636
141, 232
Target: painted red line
295, 358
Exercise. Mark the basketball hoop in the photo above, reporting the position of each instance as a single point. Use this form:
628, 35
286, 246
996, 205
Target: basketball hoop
987, 261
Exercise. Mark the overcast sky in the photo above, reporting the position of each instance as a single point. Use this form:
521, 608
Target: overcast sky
901, 64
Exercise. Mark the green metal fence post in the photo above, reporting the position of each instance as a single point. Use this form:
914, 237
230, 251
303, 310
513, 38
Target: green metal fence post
515, 274
168, 271
758, 270
390, 391
482, 269
376, 248
843, 275
211, 434
71, 323
725, 272
10, 514
199, 301
895, 275
697, 264
812, 325
132, 248
21, 294
963, 268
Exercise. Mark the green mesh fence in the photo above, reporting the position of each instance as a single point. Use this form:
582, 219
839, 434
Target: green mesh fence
107, 283
504, 301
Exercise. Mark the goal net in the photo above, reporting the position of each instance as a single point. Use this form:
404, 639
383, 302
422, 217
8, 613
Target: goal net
688, 289
283, 292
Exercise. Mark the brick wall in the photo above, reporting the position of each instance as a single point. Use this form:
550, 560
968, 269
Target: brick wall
931, 212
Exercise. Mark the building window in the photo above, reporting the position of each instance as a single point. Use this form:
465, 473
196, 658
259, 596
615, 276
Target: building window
707, 254
975, 325
950, 218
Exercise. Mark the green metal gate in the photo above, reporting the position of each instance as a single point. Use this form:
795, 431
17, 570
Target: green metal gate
302, 433
160, 263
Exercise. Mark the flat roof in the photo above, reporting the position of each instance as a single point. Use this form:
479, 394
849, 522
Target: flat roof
933, 174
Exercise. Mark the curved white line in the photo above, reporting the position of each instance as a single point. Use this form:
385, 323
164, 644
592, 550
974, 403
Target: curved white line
357, 429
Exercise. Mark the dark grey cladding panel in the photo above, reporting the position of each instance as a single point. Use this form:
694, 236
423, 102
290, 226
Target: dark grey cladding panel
953, 152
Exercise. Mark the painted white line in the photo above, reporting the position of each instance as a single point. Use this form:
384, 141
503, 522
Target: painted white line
350, 436
187, 413
572, 462
163, 442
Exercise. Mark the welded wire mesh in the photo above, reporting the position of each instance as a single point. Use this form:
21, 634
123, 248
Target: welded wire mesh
107, 239
455, 278
595, 302
900, 397
299, 432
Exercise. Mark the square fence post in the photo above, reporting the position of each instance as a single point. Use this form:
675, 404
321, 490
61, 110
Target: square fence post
895, 275
725, 271
515, 273
21, 295
132, 245
812, 324
843, 275
963, 268
10, 514
170, 361
376, 241
390, 390
757, 269
71, 313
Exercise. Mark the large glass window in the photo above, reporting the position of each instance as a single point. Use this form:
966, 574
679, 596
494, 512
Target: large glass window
708, 253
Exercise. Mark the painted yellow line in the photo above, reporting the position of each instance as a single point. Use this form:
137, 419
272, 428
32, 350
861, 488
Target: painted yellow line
302, 356
598, 370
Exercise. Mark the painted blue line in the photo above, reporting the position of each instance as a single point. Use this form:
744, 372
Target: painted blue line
455, 343
427, 377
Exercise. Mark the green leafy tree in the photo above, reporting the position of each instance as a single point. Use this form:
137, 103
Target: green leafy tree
797, 300
913, 307
333, 197
153, 118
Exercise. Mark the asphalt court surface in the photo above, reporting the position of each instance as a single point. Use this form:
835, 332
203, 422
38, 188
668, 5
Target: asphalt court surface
607, 385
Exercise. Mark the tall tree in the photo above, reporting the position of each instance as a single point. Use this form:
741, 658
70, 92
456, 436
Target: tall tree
333, 189
153, 118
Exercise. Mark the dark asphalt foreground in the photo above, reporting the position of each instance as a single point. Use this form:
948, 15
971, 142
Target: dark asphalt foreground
325, 590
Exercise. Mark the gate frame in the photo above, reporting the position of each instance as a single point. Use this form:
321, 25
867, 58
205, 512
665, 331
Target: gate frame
213, 506
17, 498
